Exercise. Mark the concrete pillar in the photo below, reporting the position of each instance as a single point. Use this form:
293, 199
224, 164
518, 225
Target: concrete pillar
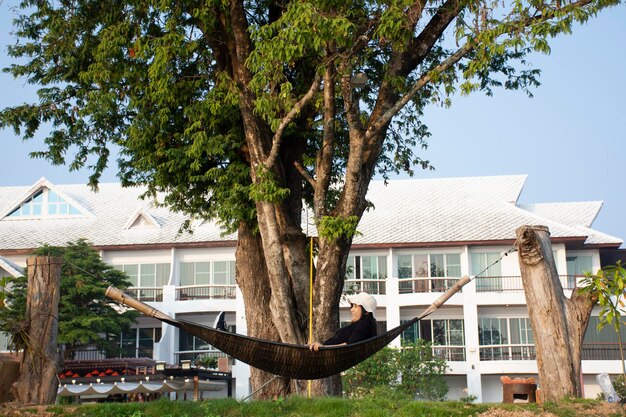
472, 346
393, 290
241, 371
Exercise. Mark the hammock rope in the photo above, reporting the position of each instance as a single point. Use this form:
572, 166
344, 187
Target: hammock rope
286, 359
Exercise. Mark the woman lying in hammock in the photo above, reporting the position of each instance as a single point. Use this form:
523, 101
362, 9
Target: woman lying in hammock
362, 326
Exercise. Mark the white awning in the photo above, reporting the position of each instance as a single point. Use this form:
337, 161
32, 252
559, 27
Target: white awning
74, 390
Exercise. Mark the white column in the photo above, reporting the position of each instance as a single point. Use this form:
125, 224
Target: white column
241, 371
470, 316
392, 290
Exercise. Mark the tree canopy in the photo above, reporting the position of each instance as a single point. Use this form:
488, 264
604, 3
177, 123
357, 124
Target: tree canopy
243, 111
85, 318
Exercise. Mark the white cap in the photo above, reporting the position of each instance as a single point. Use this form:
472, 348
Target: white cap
364, 299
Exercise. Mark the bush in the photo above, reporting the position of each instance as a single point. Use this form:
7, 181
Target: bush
422, 373
412, 370
206, 361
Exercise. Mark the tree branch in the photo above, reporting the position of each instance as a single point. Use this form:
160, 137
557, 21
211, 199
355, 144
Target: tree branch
305, 174
421, 82
325, 154
295, 110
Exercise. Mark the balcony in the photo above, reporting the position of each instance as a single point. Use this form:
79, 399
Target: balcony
601, 352
514, 283
508, 353
370, 286
425, 285
206, 292
192, 355
450, 353
146, 293
96, 354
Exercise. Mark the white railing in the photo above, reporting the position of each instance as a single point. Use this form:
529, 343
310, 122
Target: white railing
422, 285
205, 292
146, 293
371, 286
508, 352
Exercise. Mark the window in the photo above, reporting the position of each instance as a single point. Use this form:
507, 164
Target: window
366, 268
426, 272
506, 338
45, 203
139, 343
446, 335
448, 332
492, 331
146, 275
486, 264
577, 266
207, 273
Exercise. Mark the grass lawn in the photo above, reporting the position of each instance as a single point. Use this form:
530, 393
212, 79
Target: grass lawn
373, 406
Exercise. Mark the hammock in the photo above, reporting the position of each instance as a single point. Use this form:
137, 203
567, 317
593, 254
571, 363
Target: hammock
285, 359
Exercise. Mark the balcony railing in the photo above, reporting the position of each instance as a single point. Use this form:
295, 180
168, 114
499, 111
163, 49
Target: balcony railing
601, 351
371, 286
514, 283
450, 353
145, 293
507, 353
192, 355
422, 285
206, 292
95, 354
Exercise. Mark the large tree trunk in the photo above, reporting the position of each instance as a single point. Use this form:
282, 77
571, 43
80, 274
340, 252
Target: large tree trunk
558, 323
38, 381
253, 281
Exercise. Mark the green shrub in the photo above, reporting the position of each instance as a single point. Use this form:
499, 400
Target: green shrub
412, 370
422, 373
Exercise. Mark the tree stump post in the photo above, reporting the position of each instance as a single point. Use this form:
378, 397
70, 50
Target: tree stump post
38, 381
558, 323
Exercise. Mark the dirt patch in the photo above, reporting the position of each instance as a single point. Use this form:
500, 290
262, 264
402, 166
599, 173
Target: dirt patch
581, 409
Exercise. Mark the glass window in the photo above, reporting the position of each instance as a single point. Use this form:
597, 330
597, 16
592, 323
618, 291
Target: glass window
492, 331
132, 271
453, 265
448, 332
146, 275
207, 273
203, 273
521, 332
578, 265
45, 203
366, 267
405, 270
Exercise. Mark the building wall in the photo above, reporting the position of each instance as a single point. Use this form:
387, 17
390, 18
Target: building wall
470, 377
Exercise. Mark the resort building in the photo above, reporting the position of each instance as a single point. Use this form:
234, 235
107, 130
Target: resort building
417, 240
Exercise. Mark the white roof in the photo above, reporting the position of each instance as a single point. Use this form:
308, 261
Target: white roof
12, 268
471, 209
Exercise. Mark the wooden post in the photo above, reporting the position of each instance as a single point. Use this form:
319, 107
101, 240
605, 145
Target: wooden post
558, 323
38, 381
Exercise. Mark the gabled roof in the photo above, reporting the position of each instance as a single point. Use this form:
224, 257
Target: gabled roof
41, 184
470, 209
141, 219
425, 211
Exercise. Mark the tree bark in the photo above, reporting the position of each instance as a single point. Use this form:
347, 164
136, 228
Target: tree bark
38, 381
558, 323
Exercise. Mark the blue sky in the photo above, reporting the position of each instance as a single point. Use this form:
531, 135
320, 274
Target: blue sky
569, 139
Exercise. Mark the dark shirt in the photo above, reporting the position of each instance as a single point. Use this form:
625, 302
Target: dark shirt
363, 329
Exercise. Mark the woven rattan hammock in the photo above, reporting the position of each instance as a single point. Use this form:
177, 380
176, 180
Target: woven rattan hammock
284, 359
